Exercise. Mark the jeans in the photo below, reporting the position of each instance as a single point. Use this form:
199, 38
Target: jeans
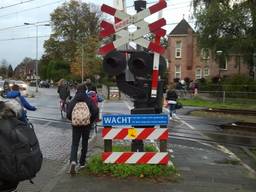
172, 108
77, 132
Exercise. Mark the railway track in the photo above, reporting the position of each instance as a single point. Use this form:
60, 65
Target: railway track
191, 135
240, 126
231, 111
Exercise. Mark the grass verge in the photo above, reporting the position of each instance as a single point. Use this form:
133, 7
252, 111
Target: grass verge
160, 172
198, 102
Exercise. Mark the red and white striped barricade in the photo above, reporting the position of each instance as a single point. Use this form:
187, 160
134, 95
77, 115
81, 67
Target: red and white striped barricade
148, 133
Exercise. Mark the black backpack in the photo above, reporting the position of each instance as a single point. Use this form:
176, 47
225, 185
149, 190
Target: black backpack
20, 154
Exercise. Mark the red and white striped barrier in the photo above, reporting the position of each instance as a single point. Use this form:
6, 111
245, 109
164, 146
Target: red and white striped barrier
135, 157
135, 133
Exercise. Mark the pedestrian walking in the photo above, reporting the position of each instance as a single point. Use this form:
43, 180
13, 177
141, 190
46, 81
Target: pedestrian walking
63, 90
15, 94
88, 84
82, 113
171, 97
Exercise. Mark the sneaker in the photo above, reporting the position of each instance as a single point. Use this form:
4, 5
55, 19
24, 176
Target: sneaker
81, 167
72, 168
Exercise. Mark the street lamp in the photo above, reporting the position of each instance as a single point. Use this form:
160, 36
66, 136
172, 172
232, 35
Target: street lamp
37, 25
219, 53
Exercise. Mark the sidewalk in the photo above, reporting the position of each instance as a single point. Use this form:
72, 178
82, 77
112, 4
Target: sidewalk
202, 168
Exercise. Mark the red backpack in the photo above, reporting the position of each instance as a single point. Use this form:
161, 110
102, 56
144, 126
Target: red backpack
93, 96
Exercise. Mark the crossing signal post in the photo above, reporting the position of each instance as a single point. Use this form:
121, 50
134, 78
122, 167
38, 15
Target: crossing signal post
147, 87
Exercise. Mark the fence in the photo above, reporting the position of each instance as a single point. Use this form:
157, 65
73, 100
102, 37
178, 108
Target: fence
221, 96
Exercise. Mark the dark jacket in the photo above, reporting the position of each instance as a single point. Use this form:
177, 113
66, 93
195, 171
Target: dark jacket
64, 92
82, 97
171, 95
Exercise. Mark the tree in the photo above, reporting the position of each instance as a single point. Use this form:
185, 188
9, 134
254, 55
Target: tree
92, 63
4, 68
57, 70
226, 25
73, 24
10, 71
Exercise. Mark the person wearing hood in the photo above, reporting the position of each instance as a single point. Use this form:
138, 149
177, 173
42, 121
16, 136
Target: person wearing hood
79, 131
6, 115
15, 94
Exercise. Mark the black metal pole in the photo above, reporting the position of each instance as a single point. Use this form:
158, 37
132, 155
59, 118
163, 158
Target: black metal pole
138, 145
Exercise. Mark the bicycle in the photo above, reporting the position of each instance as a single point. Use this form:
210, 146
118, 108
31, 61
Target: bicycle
63, 108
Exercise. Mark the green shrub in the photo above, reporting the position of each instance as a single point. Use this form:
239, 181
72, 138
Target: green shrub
97, 167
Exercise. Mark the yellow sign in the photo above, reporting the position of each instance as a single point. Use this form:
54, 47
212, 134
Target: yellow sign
132, 133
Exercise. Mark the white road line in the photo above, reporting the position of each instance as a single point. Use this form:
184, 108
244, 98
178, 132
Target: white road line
128, 106
223, 149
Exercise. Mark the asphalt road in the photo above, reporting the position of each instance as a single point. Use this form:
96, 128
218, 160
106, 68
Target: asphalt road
187, 136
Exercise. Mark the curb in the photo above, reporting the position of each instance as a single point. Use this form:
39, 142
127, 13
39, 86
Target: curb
50, 186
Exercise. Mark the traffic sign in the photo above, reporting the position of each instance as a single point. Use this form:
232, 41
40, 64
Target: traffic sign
137, 20
135, 120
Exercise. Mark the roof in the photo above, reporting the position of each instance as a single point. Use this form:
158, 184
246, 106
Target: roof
181, 28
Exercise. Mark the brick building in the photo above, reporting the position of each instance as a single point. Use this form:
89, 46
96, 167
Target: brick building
26, 70
186, 60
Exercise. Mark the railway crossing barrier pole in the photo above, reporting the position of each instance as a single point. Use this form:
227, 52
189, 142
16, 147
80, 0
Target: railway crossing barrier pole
163, 143
108, 143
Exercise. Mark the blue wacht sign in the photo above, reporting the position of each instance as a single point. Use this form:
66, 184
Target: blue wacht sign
135, 120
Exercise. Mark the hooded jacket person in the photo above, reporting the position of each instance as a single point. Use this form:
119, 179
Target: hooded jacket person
15, 94
5, 114
79, 131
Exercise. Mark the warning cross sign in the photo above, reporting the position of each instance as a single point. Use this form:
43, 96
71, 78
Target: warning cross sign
137, 20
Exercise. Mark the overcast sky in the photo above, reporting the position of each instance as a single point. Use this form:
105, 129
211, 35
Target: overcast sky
18, 41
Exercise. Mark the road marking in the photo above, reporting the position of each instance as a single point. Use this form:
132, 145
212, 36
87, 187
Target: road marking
223, 149
128, 106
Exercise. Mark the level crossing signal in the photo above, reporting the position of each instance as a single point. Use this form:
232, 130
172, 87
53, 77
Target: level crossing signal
140, 63
120, 28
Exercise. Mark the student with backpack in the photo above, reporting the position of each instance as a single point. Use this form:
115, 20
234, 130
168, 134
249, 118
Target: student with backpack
82, 113
20, 154
95, 99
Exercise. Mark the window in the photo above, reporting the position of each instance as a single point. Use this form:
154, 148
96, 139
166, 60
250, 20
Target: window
177, 71
178, 49
205, 53
223, 62
198, 73
206, 72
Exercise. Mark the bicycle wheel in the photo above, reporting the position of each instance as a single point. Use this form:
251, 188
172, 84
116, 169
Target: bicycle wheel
95, 127
62, 109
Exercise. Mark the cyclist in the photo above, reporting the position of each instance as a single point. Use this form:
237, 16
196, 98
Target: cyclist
64, 92
15, 94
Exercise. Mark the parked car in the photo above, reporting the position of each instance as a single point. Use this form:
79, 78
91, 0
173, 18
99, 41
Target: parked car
44, 84
23, 86
1, 87
5, 86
